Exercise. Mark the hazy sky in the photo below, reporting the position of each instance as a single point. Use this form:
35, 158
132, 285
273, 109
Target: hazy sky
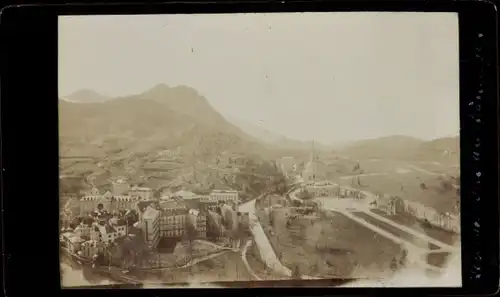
323, 76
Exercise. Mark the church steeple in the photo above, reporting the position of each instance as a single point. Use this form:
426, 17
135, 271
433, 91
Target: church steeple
313, 161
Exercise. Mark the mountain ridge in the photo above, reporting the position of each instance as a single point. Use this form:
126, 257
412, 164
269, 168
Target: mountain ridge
159, 117
85, 96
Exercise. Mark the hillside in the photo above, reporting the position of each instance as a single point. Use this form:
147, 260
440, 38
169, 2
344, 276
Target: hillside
130, 131
404, 147
276, 140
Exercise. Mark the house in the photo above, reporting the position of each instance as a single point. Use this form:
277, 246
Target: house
72, 241
105, 233
91, 248
83, 230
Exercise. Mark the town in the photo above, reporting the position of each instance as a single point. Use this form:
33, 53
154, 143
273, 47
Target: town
304, 224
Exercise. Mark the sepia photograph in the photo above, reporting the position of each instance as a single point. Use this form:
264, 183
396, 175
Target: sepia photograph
201, 150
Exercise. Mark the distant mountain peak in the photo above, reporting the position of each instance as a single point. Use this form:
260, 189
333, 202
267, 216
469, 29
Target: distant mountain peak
161, 87
85, 96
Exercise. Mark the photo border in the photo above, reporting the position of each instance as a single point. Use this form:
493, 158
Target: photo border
30, 138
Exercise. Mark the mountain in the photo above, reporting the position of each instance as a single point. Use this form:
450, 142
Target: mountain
382, 147
440, 145
276, 140
403, 147
160, 118
85, 96
257, 132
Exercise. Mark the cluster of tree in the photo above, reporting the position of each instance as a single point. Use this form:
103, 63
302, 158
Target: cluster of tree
304, 195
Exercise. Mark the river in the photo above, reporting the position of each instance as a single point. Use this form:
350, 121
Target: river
76, 277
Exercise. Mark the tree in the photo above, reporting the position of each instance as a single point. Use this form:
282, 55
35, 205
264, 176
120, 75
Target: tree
304, 194
296, 272
190, 236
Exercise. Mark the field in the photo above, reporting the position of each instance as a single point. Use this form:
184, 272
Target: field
410, 185
334, 247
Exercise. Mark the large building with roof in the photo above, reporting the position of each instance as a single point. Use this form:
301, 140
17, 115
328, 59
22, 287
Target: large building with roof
223, 196
107, 202
144, 193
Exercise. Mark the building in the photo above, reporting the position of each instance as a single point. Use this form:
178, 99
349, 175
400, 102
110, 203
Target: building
90, 203
185, 195
107, 202
143, 193
92, 192
323, 189
83, 230
105, 233
91, 248
120, 187
72, 241
199, 221
150, 220
173, 222
124, 202
206, 205
224, 196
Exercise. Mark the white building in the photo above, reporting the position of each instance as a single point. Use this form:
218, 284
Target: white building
106, 233
323, 189
186, 195
120, 187
107, 202
143, 192
224, 196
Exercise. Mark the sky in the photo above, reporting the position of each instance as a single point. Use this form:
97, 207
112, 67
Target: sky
327, 77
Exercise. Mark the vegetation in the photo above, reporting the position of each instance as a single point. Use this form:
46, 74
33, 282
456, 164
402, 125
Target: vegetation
329, 246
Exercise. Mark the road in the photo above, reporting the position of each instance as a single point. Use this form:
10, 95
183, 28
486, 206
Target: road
348, 207
266, 250
245, 261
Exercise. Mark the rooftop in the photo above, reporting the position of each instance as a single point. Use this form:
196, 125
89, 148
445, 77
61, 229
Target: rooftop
185, 194
105, 229
150, 213
75, 239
